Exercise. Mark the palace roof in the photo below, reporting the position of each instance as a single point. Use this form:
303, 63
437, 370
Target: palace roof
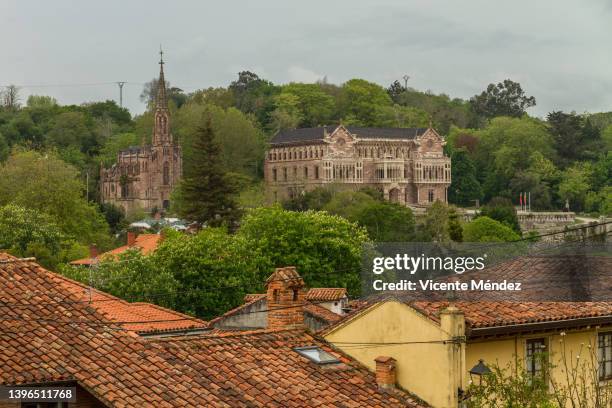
318, 134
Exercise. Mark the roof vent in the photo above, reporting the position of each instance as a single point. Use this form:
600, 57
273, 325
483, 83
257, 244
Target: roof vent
316, 355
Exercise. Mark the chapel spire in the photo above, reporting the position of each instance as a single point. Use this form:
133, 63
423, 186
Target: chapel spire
161, 102
161, 129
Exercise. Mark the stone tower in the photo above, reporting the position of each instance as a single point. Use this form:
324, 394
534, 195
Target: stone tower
144, 176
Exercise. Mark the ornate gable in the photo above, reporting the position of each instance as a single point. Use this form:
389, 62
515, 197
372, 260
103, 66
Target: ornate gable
430, 143
341, 142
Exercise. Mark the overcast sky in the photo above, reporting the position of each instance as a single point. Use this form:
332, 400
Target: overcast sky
559, 50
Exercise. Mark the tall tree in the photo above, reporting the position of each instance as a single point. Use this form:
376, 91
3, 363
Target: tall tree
206, 193
503, 99
465, 187
359, 102
395, 90
9, 98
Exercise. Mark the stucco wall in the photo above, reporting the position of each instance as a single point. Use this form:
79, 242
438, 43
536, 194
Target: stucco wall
423, 369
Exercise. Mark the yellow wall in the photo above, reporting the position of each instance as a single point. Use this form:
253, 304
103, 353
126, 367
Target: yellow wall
502, 352
434, 371
422, 369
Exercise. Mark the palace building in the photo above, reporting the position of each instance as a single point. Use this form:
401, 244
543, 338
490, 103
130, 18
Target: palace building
144, 176
407, 165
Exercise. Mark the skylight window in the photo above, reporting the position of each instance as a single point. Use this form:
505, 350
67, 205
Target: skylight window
316, 355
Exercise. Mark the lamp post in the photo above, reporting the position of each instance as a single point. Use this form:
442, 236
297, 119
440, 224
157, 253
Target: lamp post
479, 370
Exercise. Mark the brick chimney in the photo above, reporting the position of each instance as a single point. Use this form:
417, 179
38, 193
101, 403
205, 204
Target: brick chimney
131, 238
93, 251
385, 372
285, 298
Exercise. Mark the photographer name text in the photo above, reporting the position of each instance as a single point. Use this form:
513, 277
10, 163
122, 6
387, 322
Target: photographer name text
437, 286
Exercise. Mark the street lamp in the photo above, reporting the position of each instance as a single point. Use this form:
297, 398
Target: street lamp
479, 370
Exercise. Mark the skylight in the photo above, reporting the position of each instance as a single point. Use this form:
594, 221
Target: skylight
316, 355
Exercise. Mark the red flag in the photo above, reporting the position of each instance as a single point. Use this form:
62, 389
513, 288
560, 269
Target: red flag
521, 199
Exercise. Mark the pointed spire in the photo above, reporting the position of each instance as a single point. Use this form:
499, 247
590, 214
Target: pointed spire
161, 101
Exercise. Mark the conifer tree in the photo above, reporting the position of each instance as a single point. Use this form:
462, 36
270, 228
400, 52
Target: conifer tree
206, 194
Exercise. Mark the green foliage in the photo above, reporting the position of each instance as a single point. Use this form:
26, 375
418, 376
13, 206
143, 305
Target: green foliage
511, 386
435, 227
388, 222
401, 116
46, 184
485, 229
132, 276
4, 149
506, 98
384, 221
205, 193
287, 113
576, 138
507, 146
25, 232
115, 217
254, 95
455, 229
465, 187
116, 143
502, 210
575, 183
212, 270
20, 227
326, 249
315, 106
349, 204
360, 101
241, 143
442, 110
314, 199
606, 136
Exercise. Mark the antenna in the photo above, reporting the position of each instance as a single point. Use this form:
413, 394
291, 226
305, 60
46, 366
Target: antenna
406, 78
121, 83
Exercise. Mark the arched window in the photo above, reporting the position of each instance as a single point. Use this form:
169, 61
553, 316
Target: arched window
166, 177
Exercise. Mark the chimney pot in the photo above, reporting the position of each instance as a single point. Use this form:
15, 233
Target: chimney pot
131, 238
285, 299
93, 251
385, 372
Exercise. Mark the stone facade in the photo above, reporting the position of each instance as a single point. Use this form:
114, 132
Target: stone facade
144, 176
407, 165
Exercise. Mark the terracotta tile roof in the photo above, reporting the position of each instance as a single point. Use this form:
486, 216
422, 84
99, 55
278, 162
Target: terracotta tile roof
253, 296
325, 294
489, 314
141, 317
260, 368
48, 334
547, 278
321, 312
287, 274
147, 243
555, 275
311, 308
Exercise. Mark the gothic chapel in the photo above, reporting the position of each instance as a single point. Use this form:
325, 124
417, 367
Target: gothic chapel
144, 176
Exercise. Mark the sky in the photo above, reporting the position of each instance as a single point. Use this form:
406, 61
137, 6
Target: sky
75, 51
